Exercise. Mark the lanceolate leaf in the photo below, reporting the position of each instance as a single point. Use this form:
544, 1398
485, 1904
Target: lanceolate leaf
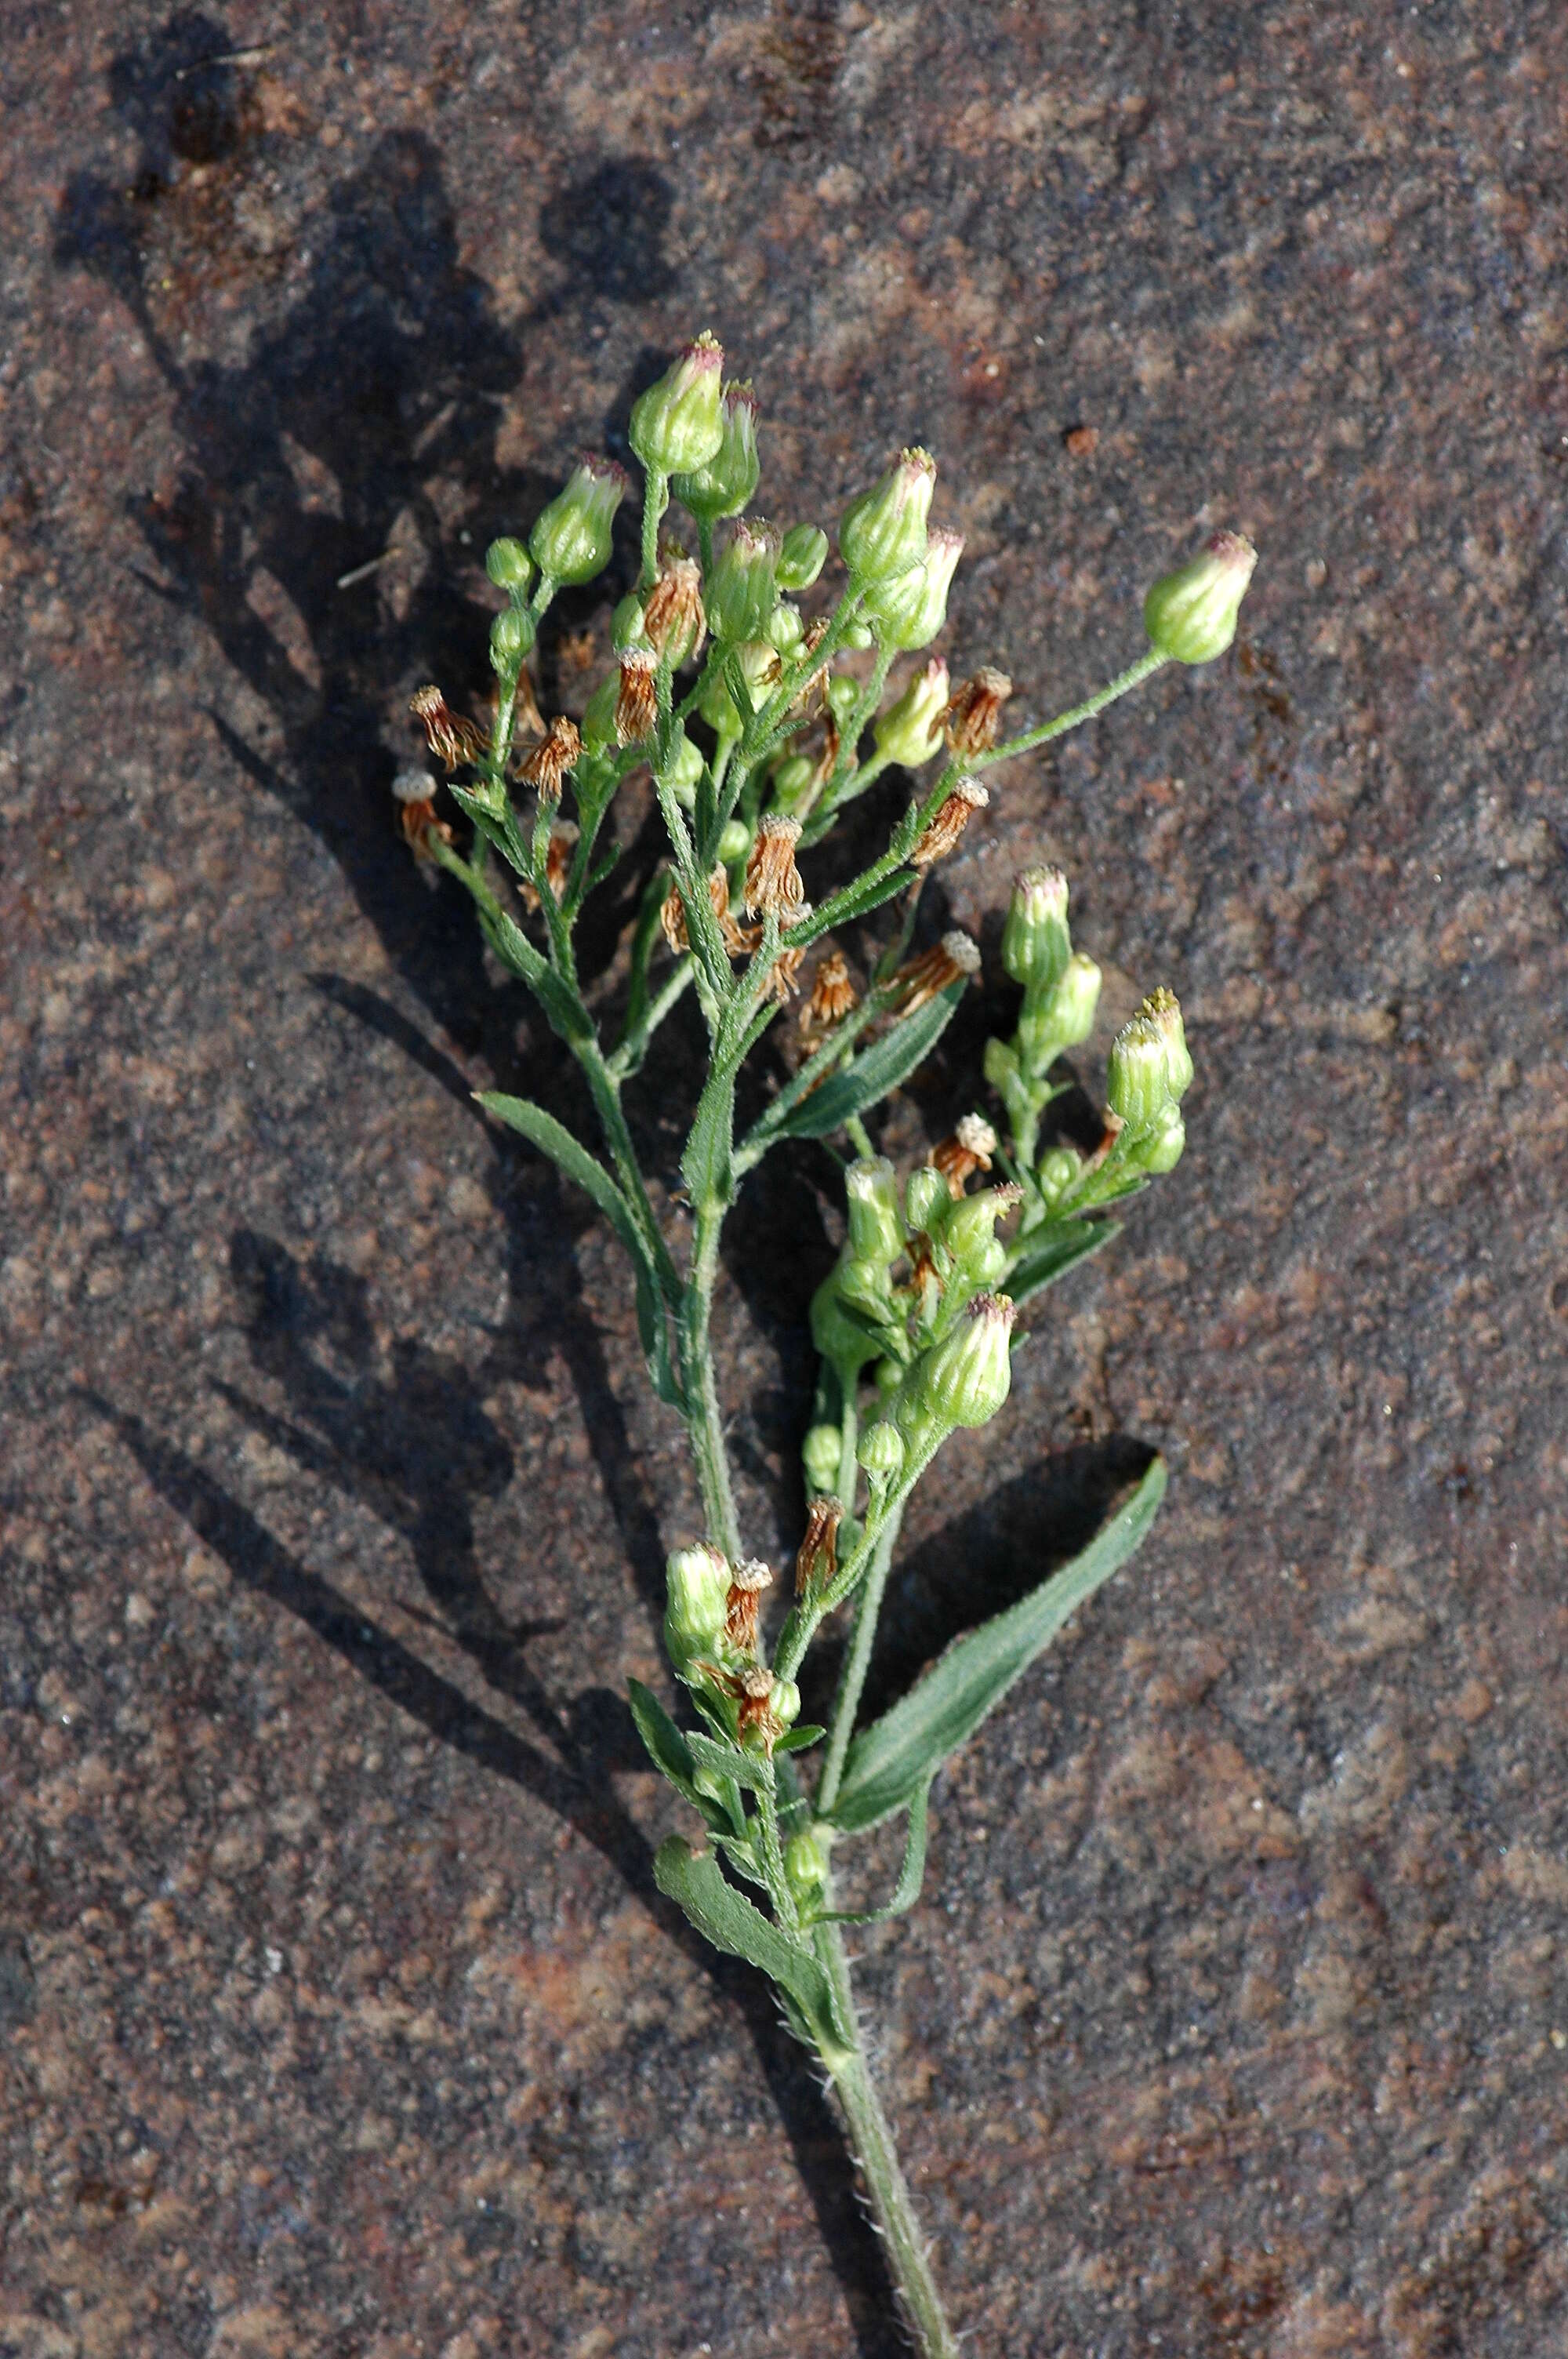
1045, 1259
731, 1922
862, 1084
855, 901
891, 1761
570, 1156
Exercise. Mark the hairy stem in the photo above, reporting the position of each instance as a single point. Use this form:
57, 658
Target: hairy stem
871, 2141
704, 1423
857, 1663
1149, 661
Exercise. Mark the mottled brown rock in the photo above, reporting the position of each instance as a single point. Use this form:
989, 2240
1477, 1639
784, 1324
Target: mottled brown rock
340, 2014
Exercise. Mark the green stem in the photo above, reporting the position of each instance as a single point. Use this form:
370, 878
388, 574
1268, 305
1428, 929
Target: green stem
772, 1860
704, 1423
857, 1663
872, 2140
1149, 661
656, 498
705, 547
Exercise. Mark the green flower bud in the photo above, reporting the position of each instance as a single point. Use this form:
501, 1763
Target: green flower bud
908, 613
626, 628
795, 784
1076, 999
722, 486
926, 1197
785, 628
786, 1702
506, 562
969, 1230
910, 731
697, 1581
805, 1867
1190, 614
876, 1231
859, 636
1136, 1087
843, 695
1052, 1021
735, 842
965, 1378
863, 1287
881, 1453
1035, 942
1164, 1009
882, 533
819, 1454
570, 539
801, 557
511, 640
598, 718
1059, 1170
677, 426
1163, 1151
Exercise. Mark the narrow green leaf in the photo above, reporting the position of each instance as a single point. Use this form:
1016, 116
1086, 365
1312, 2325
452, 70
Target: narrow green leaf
855, 901
732, 1923
572, 1157
667, 1748
798, 1740
869, 1080
514, 949
889, 1763
911, 1875
1046, 1259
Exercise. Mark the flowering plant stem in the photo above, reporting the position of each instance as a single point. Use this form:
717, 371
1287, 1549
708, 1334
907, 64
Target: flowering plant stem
914, 1339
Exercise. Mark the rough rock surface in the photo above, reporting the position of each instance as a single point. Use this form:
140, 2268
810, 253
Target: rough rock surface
340, 2014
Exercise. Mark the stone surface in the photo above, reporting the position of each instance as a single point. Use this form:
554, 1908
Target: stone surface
340, 2017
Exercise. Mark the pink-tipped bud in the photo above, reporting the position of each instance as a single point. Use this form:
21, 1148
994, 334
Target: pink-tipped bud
1190, 614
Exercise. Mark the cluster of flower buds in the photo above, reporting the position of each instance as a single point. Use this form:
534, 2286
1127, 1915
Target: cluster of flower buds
1148, 1074
1061, 992
915, 1263
713, 1640
1149, 1068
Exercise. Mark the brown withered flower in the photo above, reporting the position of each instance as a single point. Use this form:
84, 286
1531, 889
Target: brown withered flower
738, 939
672, 612
967, 797
558, 851
832, 994
952, 959
752, 1689
968, 1150
772, 880
546, 766
415, 793
975, 711
784, 975
817, 1560
747, 1583
451, 739
636, 706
